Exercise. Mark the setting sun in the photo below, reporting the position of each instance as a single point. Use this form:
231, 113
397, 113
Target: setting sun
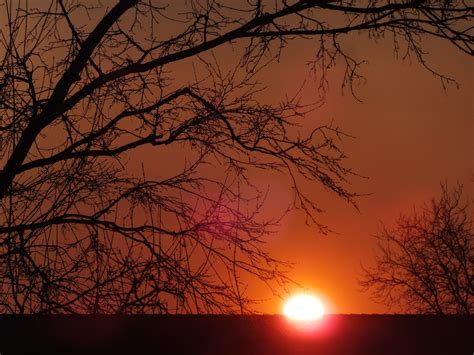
304, 308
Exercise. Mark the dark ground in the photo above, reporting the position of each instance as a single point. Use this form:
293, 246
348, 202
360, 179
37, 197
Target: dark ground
334, 334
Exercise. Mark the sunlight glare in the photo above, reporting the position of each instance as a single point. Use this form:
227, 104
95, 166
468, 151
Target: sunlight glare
304, 308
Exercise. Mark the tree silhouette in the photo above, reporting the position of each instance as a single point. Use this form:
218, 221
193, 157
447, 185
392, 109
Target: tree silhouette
425, 264
88, 89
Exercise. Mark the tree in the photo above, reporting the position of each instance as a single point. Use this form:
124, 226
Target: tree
82, 228
425, 264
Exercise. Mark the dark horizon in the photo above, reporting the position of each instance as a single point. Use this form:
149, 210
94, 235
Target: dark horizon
236, 334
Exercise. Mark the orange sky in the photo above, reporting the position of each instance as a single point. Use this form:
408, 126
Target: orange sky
410, 135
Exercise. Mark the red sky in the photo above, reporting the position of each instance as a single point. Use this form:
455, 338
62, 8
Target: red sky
409, 135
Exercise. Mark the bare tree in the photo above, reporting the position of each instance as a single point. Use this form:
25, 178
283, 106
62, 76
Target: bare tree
425, 264
87, 88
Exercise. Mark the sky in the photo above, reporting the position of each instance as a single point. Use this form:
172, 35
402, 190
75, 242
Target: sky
409, 134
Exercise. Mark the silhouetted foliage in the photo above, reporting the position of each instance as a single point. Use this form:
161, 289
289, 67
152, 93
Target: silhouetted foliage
88, 88
425, 264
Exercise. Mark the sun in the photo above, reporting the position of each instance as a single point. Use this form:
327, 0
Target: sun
304, 307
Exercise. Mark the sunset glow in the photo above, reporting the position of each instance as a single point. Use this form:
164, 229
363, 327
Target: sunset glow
304, 308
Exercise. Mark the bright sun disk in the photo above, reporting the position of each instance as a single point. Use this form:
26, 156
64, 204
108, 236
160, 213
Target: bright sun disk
303, 308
